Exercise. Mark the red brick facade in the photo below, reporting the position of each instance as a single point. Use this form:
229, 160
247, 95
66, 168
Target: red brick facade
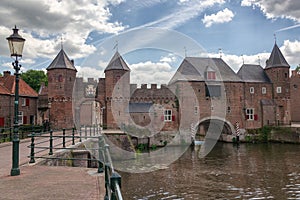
253, 97
28, 99
295, 96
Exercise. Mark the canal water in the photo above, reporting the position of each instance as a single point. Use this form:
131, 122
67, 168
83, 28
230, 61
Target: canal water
247, 171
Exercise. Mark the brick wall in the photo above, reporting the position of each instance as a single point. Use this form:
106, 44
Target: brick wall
295, 96
6, 110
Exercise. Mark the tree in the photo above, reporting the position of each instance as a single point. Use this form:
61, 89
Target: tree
34, 78
298, 68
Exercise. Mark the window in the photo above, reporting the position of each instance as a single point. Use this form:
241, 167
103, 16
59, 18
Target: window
168, 115
263, 90
252, 90
24, 102
32, 119
250, 114
278, 90
20, 117
60, 78
196, 110
228, 109
211, 75
212, 90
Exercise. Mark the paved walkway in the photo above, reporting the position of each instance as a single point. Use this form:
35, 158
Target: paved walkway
46, 182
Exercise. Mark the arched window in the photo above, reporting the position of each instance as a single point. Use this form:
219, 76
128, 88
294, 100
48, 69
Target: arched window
60, 78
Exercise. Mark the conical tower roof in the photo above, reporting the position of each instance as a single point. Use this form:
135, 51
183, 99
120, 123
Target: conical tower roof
117, 63
61, 61
276, 59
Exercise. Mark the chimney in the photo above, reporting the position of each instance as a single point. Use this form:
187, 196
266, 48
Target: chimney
6, 73
72, 61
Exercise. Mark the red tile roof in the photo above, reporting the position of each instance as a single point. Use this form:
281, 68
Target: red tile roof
8, 83
4, 90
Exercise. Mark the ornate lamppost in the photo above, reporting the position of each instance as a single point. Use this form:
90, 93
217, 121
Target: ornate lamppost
16, 44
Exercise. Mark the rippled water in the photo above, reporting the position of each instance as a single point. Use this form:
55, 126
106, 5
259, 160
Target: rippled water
250, 171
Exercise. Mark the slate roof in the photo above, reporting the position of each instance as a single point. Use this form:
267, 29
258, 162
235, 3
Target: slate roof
253, 73
61, 61
276, 59
139, 107
194, 69
7, 83
117, 63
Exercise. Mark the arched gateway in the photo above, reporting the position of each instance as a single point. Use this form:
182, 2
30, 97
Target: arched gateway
214, 128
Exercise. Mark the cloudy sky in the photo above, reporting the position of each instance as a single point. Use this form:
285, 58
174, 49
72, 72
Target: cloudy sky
153, 36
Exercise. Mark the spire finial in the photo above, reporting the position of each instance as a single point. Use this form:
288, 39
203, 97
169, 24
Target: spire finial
259, 60
61, 42
243, 59
275, 38
184, 51
220, 52
116, 46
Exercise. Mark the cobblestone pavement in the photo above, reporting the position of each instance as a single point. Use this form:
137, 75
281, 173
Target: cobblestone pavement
46, 182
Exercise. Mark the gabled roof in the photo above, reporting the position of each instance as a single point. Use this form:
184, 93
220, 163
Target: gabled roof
253, 73
117, 63
194, 69
4, 90
8, 82
61, 61
276, 59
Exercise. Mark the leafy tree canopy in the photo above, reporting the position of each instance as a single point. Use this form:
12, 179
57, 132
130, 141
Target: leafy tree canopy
34, 78
298, 68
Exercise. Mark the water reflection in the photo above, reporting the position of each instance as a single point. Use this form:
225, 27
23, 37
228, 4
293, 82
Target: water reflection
250, 171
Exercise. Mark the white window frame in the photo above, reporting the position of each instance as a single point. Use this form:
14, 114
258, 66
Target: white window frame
168, 115
278, 90
251, 90
23, 101
20, 117
264, 90
250, 113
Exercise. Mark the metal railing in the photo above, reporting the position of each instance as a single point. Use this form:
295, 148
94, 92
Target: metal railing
24, 130
51, 141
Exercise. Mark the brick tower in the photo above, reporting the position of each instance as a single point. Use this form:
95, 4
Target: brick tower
277, 70
117, 89
61, 76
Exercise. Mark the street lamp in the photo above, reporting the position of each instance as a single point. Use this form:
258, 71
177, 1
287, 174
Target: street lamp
16, 44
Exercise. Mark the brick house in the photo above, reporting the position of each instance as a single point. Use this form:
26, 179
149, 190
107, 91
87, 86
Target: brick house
211, 90
28, 99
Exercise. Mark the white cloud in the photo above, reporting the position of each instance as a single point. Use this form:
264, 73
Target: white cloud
187, 10
43, 22
170, 58
220, 17
89, 72
276, 8
289, 49
151, 72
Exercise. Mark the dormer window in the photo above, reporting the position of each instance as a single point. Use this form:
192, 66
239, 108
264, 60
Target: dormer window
211, 75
